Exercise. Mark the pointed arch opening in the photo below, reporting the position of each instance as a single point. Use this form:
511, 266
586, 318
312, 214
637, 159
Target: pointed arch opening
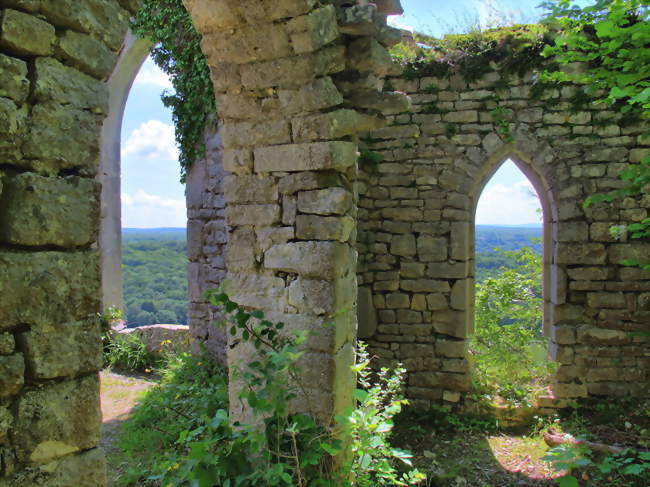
511, 269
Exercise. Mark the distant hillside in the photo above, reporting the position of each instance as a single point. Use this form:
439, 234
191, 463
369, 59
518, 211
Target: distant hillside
155, 267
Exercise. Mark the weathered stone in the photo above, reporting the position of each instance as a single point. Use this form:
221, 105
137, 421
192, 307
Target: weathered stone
330, 201
602, 336
452, 323
259, 292
305, 157
25, 34
64, 135
49, 211
86, 53
7, 343
252, 214
246, 134
447, 270
250, 189
58, 419
366, 313
313, 227
13, 78
317, 95
12, 374
327, 260
367, 55
54, 81
332, 125
48, 287
431, 249
77, 350
403, 245
313, 31
240, 255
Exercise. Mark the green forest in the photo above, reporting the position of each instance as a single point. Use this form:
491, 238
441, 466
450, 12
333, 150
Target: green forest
155, 267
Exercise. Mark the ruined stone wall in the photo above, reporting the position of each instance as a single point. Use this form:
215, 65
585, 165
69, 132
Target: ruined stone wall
416, 233
54, 58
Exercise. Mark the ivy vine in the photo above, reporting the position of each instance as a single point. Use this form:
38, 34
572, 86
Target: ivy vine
178, 53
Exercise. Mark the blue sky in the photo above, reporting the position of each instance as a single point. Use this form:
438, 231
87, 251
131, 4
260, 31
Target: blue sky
153, 197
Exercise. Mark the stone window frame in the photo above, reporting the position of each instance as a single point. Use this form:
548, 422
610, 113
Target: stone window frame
132, 56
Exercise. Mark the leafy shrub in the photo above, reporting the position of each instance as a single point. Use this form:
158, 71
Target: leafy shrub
127, 351
188, 439
507, 348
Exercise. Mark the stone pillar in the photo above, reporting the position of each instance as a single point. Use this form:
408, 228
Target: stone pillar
286, 80
54, 60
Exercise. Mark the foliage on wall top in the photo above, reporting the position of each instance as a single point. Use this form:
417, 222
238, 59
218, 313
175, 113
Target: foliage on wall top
178, 53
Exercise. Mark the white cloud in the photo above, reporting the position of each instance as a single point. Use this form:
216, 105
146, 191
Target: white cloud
400, 22
144, 210
152, 140
503, 205
152, 75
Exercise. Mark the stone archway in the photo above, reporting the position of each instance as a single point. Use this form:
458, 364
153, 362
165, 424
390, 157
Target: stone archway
292, 90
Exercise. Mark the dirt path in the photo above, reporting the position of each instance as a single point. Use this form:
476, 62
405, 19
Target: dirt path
119, 394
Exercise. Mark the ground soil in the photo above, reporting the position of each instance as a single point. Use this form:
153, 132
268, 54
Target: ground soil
119, 394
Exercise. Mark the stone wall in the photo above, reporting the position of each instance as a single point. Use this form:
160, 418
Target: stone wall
54, 58
416, 233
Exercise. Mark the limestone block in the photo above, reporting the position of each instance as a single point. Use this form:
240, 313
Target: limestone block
366, 313
463, 116
411, 269
606, 300
573, 232
257, 291
563, 335
12, 126
403, 245
583, 254
332, 125
454, 382
65, 135
314, 30
7, 343
447, 270
590, 273
319, 94
240, 255
424, 285
247, 44
293, 71
12, 374
367, 55
326, 260
320, 297
460, 294
601, 336
245, 134
269, 236
63, 84
398, 301
431, 249
330, 201
106, 20
86, 53
423, 379
436, 302
252, 214
250, 189
617, 253
303, 181
459, 241
58, 419
387, 103
161, 339
53, 351
451, 348
13, 78
569, 390
238, 161
305, 157
49, 211
313, 227
48, 287
25, 34
452, 323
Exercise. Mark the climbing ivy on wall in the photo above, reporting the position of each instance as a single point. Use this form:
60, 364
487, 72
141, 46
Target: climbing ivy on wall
611, 39
178, 53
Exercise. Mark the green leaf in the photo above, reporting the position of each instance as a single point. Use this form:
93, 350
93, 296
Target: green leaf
567, 481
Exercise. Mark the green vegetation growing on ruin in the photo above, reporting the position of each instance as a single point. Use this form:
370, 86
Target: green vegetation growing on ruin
177, 51
515, 49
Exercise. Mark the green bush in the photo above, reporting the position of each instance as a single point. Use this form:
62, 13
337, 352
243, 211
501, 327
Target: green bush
509, 352
127, 351
181, 435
